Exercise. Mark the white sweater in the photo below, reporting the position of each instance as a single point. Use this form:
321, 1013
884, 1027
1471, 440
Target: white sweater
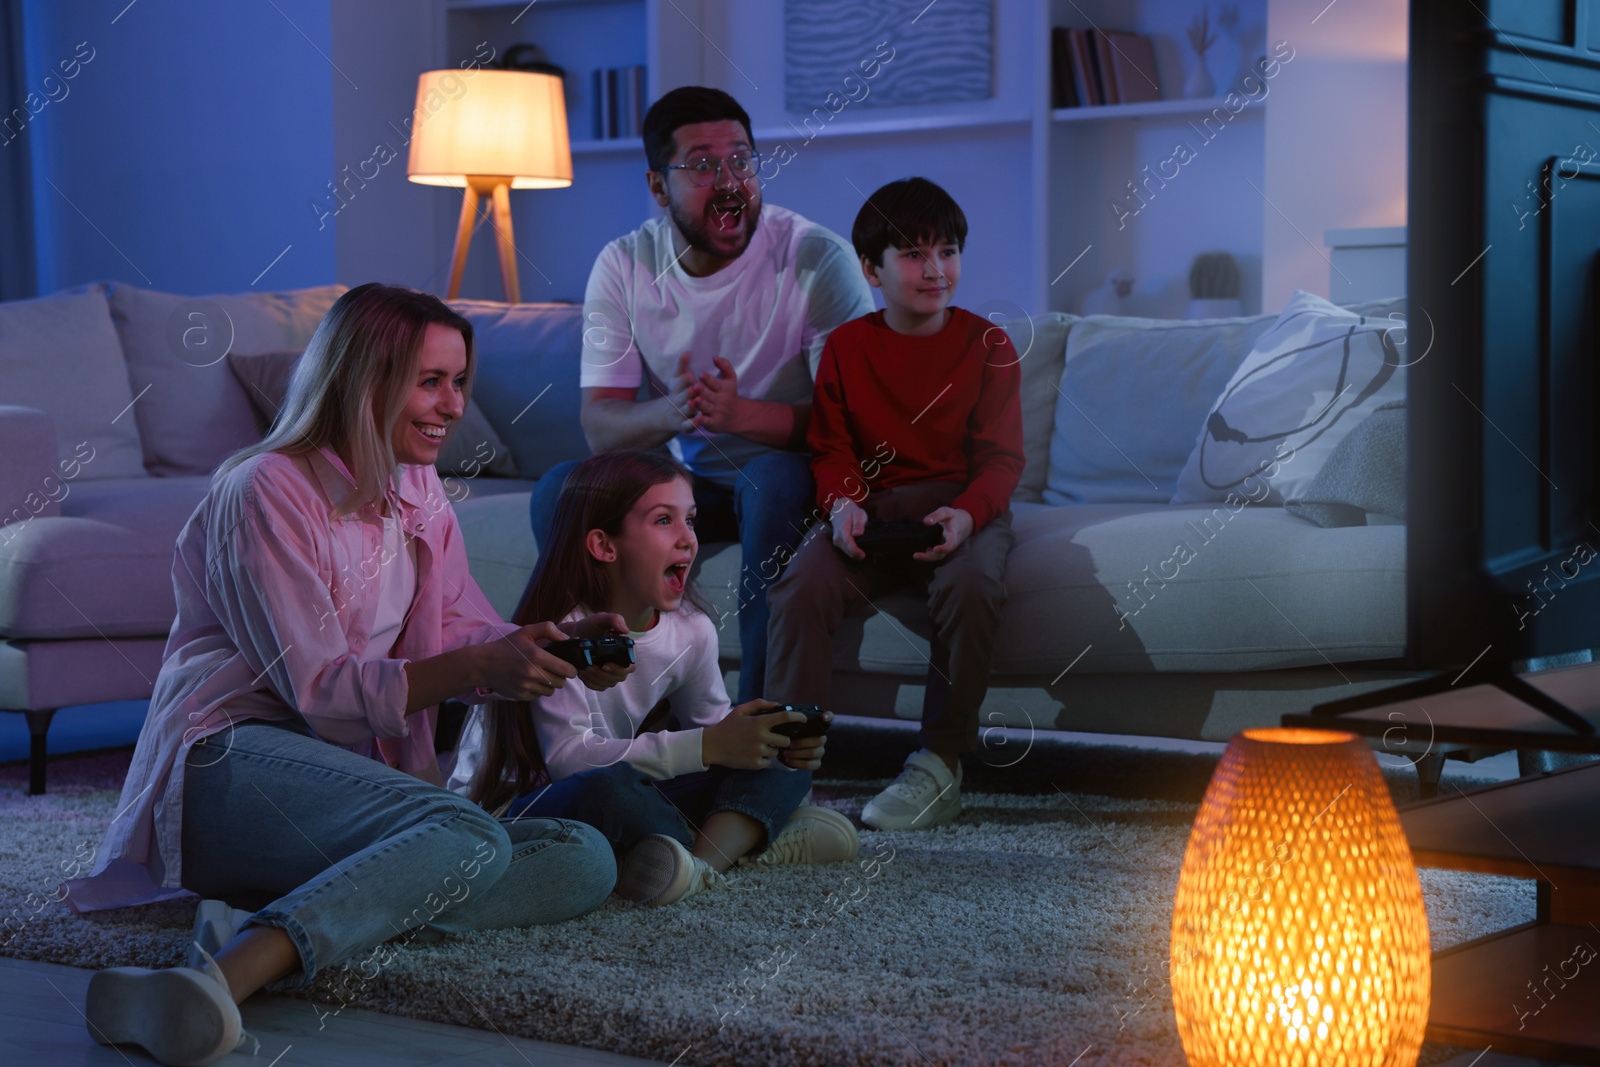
580, 729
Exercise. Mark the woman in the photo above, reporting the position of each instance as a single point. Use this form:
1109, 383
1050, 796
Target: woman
287, 765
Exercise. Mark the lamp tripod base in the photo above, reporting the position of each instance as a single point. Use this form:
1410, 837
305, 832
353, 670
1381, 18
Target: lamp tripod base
499, 192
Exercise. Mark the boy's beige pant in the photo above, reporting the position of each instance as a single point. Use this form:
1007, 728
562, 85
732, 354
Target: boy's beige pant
965, 594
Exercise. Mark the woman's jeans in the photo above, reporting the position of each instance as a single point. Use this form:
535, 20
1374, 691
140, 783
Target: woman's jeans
342, 852
627, 805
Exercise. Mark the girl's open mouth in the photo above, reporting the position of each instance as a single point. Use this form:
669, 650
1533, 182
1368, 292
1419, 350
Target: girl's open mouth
677, 576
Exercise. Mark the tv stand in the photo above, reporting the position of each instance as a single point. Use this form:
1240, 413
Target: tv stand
1530, 990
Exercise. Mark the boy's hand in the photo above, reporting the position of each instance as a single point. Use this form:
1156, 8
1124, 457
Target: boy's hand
744, 739
805, 753
957, 523
849, 522
715, 400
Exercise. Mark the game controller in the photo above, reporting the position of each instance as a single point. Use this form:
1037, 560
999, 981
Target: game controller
584, 652
899, 538
816, 723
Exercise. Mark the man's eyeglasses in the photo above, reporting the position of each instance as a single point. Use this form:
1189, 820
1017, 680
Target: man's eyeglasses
703, 171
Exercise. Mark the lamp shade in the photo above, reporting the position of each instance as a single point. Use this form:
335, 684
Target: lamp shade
1299, 935
490, 123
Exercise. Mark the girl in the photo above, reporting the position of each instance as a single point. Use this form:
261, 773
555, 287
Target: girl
681, 806
287, 765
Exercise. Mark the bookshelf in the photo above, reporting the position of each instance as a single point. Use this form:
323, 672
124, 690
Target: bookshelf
1039, 184
1149, 109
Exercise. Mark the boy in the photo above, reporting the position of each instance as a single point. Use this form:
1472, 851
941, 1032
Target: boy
921, 401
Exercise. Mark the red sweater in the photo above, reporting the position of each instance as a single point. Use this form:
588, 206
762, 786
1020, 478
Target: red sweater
908, 409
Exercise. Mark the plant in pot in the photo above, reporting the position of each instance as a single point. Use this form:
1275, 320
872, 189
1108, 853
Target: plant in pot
1214, 287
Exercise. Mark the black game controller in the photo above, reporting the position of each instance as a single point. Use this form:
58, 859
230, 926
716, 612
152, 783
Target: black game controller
584, 652
899, 538
816, 723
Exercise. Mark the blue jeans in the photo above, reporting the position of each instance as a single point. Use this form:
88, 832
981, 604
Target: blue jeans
767, 512
626, 805
342, 852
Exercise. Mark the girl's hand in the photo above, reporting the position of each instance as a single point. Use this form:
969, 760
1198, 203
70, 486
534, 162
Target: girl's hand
805, 753
518, 668
849, 522
604, 676
957, 523
744, 740
601, 624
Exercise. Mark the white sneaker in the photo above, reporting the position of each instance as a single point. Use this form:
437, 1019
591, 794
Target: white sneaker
215, 924
659, 870
926, 794
812, 835
182, 1016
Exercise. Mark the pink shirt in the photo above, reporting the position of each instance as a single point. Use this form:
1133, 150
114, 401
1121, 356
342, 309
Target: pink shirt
277, 601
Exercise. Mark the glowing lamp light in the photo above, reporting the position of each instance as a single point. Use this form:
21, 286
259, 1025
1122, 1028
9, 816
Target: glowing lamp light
489, 132
1299, 935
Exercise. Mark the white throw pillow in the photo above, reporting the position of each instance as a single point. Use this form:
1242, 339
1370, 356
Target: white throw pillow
1310, 379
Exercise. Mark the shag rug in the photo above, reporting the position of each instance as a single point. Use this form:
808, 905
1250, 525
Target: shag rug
1032, 930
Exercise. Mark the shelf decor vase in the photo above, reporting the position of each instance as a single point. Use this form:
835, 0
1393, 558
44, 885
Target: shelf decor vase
1298, 934
1200, 85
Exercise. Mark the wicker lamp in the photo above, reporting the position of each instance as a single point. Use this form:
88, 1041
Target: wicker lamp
1299, 935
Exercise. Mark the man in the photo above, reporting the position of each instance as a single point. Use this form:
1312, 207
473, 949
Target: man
721, 307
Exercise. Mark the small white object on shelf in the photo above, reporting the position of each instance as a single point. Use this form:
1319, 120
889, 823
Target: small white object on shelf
1200, 82
1112, 297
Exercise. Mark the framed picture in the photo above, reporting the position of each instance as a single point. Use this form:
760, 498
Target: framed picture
886, 53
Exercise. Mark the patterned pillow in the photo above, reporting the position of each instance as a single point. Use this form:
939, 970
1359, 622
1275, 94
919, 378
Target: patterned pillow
1308, 382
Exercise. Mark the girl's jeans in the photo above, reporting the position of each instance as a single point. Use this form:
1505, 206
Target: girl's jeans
342, 852
627, 805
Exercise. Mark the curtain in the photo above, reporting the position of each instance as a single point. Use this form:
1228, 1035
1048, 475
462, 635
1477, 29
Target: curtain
17, 278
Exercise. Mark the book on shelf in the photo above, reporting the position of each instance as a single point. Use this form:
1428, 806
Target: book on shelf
1133, 67
617, 102
1089, 68
1103, 54
1083, 72
1063, 93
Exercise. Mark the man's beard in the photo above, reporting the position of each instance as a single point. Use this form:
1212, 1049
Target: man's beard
697, 229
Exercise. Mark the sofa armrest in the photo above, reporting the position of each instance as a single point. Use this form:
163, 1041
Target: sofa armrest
30, 484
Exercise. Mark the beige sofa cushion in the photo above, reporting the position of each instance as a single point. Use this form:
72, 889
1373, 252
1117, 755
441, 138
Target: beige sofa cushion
1041, 344
60, 354
193, 413
1133, 393
1263, 590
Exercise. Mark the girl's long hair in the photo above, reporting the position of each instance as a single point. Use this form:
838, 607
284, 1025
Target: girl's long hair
597, 495
353, 381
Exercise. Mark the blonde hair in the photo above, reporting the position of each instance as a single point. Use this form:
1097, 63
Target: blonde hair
353, 381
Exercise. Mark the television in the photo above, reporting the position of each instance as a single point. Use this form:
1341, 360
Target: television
1503, 538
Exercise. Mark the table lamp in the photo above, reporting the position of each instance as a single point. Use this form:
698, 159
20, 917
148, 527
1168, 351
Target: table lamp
1298, 934
506, 129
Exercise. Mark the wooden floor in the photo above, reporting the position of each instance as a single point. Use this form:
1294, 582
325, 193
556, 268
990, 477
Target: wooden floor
41, 1023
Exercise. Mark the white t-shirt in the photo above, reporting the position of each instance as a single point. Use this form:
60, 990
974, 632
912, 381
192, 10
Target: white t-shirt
397, 586
580, 729
768, 313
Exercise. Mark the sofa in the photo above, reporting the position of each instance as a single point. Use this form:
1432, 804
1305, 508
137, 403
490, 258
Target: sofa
117, 402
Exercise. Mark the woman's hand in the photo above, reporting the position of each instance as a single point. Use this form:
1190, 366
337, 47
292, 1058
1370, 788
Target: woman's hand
744, 739
601, 624
805, 753
518, 668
